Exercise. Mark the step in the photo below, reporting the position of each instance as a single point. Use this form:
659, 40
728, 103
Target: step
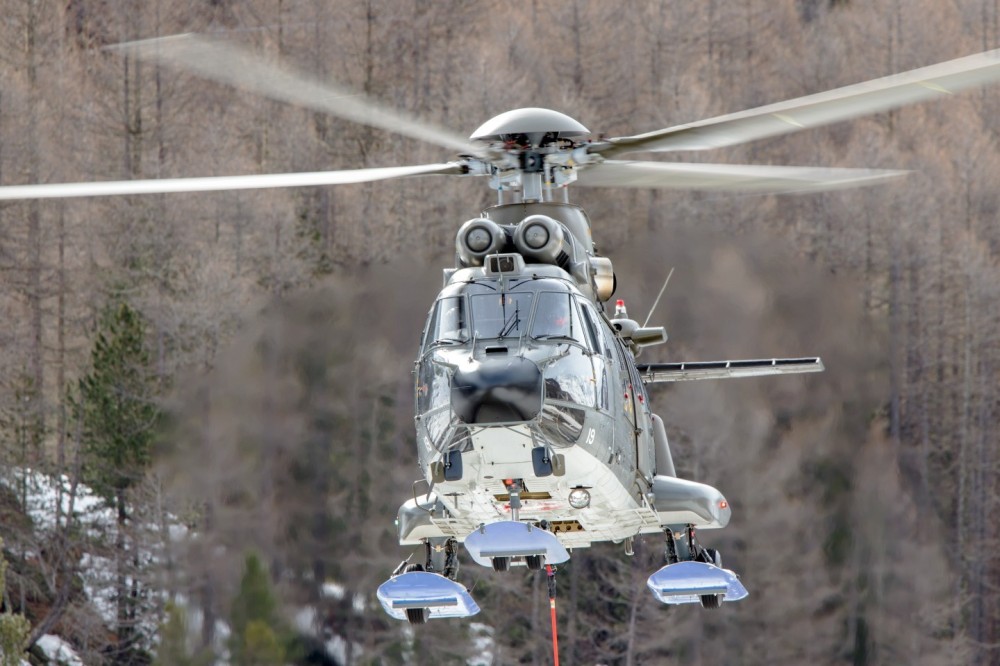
686, 582
422, 589
513, 539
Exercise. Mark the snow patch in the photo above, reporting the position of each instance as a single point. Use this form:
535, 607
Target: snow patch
98, 574
44, 493
334, 591
482, 641
58, 651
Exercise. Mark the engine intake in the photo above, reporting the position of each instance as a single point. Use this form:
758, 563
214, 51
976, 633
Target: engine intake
478, 238
541, 239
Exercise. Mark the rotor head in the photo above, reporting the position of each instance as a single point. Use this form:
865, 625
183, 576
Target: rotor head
530, 126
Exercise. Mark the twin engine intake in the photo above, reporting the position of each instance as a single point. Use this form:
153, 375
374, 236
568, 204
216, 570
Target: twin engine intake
538, 238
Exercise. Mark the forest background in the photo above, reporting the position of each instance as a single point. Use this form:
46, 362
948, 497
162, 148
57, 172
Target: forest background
228, 373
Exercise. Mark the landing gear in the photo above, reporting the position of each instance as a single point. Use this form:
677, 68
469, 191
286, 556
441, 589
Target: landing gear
417, 593
711, 556
501, 563
711, 601
693, 574
417, 615
533, 562
441, 556
450, 559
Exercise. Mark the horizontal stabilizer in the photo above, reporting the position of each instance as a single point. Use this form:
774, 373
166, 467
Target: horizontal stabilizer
422, 589
681, 372
513, 539
686, 582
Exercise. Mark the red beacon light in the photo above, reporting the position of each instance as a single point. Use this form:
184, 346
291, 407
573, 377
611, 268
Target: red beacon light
620, 312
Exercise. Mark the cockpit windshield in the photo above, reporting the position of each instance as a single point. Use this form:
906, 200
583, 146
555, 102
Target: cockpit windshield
543, 309
501, 315
450, 322
557, 318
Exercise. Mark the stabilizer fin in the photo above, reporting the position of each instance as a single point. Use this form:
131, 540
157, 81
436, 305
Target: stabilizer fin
652, 373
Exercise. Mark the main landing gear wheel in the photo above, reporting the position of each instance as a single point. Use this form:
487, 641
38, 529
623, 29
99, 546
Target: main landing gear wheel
416, 615
534, 562
501, 563
711, 601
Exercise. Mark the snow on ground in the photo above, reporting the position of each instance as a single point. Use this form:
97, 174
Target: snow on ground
305, 621
43, 494
337, 591
482, 641
59, 651
98, 574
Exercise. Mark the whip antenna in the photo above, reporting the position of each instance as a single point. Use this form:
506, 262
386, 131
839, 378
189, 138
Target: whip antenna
657, 301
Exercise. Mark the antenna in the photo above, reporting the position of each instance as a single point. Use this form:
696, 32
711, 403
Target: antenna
657, 301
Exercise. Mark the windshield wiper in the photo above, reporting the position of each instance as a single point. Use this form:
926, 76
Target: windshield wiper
515, 320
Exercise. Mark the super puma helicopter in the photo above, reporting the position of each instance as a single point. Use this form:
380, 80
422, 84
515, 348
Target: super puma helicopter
534, 428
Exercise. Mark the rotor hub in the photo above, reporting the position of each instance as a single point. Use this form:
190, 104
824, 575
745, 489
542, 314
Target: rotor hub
530, 126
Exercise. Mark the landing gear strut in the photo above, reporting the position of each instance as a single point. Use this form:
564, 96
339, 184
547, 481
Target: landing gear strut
686, 578
417, 592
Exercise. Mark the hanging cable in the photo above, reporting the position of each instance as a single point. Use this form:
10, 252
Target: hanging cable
550, 572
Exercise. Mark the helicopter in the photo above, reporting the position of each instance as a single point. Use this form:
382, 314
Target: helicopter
535, 433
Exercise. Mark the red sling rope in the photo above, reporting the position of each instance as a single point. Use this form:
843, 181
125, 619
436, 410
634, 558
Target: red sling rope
551, 574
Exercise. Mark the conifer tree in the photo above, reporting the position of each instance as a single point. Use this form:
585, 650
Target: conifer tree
120, 420
173, 648
258, 634
14, 628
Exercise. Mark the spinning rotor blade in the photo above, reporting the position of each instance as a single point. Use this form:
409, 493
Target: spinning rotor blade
815, 110
731, 177
214, 183
227, 64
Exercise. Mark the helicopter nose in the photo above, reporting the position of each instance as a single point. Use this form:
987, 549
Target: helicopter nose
497, 390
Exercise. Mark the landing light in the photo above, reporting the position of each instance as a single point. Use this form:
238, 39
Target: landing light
579, 498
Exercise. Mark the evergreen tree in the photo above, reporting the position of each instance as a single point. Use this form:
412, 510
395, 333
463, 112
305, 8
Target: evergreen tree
14, 629
258, 634
116, 399
173, 648
120, 419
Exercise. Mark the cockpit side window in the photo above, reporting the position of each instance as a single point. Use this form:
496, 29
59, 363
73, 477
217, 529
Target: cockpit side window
556, 317
593, 326
449, 324
501, 315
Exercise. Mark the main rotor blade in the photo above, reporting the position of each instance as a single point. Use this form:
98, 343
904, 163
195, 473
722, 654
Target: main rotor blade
815, 110
732, 177
215, 183
234, 66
